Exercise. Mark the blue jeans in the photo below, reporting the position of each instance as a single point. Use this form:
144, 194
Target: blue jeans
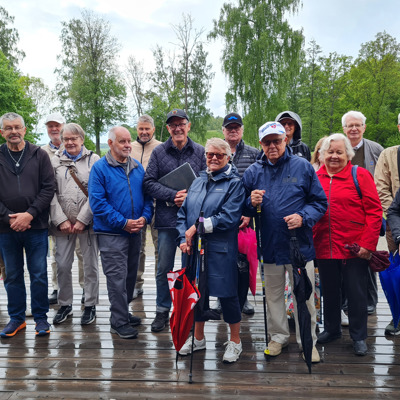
166, 257
12, 246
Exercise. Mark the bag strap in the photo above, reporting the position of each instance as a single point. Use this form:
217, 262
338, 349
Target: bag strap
78, 182
398, 161
354, 174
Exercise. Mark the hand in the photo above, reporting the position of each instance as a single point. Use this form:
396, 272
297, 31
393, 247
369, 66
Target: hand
184, 248
294, 221
65, 227
256, 197
20, 222
364, 253
245, 222
79, 227
180, 197
189, 234
135, 225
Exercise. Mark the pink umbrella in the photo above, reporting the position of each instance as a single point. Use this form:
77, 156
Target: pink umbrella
247, 242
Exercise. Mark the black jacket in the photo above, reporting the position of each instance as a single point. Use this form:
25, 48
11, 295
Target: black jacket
244, 156
31, 190
393, 218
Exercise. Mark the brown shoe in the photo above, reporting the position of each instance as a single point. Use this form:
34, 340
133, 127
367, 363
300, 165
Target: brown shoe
275, 348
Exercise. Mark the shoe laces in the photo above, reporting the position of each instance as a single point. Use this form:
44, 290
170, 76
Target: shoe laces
231, 347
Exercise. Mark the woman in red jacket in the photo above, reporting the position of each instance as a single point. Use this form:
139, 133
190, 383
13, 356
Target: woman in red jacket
349, 219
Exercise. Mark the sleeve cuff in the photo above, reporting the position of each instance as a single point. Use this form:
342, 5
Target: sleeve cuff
208, 226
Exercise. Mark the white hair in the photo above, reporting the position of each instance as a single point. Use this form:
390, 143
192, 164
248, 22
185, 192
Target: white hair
336, 137
219, 144
355, 114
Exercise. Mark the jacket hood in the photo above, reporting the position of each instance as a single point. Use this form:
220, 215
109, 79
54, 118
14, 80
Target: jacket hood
296, 117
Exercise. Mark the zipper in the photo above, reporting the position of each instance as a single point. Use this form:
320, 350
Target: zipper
329, 217
130, 192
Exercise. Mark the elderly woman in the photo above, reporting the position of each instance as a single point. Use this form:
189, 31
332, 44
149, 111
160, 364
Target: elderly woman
218, 192
349, 219
71, 219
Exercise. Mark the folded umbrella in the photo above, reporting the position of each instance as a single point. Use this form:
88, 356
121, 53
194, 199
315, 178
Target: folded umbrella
247, 243
379, 260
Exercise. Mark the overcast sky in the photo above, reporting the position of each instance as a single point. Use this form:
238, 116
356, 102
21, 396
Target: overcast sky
336, 25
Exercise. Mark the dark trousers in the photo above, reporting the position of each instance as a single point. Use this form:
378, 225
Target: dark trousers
354, 273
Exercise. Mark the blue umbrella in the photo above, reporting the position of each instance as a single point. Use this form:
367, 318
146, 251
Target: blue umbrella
390, 281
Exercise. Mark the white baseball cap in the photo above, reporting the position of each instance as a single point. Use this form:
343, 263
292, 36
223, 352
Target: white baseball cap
271, 128
55, 117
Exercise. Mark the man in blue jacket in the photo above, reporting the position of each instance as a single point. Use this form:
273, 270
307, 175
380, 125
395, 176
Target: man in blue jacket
120, 212
291, 197
166, 157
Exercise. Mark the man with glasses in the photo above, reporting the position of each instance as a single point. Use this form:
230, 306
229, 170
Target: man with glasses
367, 153
27, 188
166, 157
293, 128
291, 198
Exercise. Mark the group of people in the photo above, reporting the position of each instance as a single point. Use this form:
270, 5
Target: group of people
103, 206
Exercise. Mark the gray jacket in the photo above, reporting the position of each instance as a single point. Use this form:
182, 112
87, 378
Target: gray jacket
372, 151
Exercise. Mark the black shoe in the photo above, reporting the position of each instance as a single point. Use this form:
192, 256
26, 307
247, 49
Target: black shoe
83, 297
62, 314
88, 315
53, 298
125, 331
134, 321
160, 321
326, 337
360, 347
248, 308
371, 309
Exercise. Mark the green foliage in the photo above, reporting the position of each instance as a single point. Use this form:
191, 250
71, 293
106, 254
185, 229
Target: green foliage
215, 123
89, 85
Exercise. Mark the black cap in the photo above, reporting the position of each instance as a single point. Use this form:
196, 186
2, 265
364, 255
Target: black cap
177, 112
232, 118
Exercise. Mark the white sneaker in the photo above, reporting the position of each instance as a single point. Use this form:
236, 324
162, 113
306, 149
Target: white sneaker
197, 345
345, 319
232, 352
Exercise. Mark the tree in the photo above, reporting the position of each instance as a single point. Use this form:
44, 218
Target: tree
135, 79
14, 99
260, 56
89, 84
9, 38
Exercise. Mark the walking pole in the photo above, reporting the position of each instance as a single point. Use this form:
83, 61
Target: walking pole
200, 264
266, 351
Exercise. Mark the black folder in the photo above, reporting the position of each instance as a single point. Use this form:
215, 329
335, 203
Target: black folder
180, 178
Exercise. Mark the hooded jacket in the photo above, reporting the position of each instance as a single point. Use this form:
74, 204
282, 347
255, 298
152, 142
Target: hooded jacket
298, 147
291, 186
348, 219
116, 195
31, 190
221, 197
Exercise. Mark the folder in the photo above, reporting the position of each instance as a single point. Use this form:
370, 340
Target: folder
180, 178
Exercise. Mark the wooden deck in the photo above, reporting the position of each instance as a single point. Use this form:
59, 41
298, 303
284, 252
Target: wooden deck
76, 362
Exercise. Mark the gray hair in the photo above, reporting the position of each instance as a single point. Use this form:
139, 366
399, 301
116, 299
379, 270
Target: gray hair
74, 129
219, 144
111, 133
336, 137
354, 114
11, 116
146, 119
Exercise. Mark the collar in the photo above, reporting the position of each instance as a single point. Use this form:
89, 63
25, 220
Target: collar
355, 148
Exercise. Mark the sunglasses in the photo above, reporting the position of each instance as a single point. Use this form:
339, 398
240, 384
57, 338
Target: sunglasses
219, 156
276, 142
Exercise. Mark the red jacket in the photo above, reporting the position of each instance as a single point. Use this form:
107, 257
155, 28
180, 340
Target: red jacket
348, 219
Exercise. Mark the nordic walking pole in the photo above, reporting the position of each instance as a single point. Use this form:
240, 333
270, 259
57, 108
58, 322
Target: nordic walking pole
266, 351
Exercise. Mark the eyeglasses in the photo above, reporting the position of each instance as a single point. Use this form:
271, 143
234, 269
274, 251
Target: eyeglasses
176, 126
357, 126
276, 142
12, 128
219, 156
71, 139
290, 123
233, 128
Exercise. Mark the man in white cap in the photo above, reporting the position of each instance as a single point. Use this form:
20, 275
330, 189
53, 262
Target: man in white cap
291, 197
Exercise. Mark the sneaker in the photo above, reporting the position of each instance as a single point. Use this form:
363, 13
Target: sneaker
62, 314
160, 321
315, 358
197, 345
42, 327
345, 319
53, 298
12, 328
275, 348
217, 306
83, 297
134, 321
248, 308
391, 330
125, 331
232, 352
88, 315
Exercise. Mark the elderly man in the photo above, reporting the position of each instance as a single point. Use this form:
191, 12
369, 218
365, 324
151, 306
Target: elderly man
387, 180
367, 154
293, 128
291, 197
166, 157
27, 188
141, 150
120, 211
54, 124
242, 157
